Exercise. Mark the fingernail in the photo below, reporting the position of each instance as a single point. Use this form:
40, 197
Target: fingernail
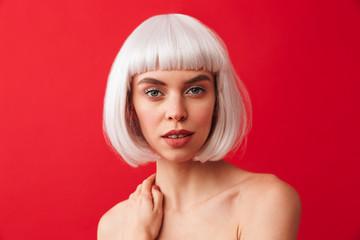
156, 187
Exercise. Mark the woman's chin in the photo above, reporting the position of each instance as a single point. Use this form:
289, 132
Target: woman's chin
176, 158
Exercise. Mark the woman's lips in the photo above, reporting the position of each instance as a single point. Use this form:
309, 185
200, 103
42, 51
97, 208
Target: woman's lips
177, 138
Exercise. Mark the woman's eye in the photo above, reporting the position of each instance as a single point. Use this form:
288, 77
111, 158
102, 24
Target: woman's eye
153, 93
195, 90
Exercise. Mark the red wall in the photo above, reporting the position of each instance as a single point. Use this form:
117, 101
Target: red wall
299, 59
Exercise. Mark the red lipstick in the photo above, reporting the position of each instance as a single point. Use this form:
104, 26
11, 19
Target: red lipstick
177, 138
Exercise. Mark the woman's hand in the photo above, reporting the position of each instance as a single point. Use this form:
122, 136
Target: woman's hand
144, 212
138, 218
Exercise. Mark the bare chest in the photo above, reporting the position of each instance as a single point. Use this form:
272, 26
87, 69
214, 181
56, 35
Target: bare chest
211, 221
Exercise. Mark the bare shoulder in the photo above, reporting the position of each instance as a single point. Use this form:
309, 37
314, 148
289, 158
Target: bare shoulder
270, 187
110, 221
275, 208
259, 187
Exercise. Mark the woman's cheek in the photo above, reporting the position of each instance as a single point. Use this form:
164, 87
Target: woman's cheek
148, 118
203, 114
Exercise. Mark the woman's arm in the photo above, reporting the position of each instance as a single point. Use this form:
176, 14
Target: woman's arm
138, 218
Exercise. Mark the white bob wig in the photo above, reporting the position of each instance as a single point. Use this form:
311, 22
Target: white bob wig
175, 42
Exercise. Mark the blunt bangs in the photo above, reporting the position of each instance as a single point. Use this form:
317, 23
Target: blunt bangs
173, 42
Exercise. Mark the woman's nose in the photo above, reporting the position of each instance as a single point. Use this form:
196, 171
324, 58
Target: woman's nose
176, 110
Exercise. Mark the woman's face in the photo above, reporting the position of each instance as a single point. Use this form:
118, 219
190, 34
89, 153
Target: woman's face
175, 110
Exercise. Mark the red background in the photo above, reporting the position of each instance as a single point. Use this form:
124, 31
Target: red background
299, 60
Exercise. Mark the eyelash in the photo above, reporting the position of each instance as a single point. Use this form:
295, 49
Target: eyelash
201, 89
157, 90
152, 90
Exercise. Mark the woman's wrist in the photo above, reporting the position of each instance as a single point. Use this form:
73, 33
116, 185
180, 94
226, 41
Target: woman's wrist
141, 236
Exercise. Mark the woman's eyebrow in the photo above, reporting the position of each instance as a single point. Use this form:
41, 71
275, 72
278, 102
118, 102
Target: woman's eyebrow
152, 81
198, 78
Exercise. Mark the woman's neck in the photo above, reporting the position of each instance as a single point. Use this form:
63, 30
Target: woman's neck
184, 184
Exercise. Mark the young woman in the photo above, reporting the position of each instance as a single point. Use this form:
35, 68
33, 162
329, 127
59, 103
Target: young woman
173, 97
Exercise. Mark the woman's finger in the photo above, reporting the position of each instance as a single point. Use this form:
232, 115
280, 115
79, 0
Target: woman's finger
138, 190
146, 186
157, 198
131, 196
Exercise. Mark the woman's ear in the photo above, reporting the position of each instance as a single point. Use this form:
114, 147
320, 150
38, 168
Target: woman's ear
133, 115
130, 111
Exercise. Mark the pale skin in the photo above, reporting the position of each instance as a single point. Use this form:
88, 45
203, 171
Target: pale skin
187, 199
